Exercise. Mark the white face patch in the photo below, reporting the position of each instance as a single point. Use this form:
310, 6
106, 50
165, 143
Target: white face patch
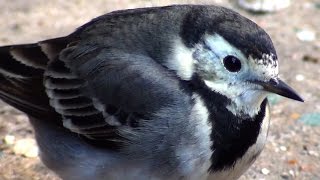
246, 97
182, 61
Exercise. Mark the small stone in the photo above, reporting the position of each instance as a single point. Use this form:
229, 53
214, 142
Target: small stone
264, 5
21, 117
313, 153
291, 172
295, 116
265, 171
26, 147
310, 58
283, 148
292, 162
306, 35
299, 77
9, 139
285, 175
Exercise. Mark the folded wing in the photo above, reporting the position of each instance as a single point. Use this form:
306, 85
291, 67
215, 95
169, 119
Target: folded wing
93, 90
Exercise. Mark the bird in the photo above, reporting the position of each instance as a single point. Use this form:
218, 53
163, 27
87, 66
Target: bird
173, 92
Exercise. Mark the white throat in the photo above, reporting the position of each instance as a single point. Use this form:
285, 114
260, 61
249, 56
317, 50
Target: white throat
246, 102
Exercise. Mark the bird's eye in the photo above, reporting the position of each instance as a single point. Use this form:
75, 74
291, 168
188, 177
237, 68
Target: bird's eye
232, 63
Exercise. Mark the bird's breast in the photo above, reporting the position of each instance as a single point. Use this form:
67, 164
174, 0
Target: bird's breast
243, 163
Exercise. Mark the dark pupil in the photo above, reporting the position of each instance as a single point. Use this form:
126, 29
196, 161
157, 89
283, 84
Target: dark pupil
232, 63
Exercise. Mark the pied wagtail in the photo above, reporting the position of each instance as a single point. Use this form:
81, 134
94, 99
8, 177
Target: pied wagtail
175, 92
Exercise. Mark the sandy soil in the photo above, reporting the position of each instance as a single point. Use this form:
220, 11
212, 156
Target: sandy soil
293, 149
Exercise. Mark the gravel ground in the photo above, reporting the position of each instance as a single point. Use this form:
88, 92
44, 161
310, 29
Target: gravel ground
293, 148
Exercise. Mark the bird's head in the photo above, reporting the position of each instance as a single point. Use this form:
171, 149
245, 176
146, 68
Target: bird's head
235, 58
246, 79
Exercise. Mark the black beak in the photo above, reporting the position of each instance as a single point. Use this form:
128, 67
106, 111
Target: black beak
279, 87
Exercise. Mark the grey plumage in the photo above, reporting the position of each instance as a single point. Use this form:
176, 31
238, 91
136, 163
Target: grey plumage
121, 98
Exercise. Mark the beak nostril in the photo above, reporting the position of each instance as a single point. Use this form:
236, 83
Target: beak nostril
274, 81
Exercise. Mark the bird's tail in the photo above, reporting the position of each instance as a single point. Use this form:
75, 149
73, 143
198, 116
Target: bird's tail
21, 75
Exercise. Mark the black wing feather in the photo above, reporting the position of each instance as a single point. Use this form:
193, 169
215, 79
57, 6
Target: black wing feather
20, 82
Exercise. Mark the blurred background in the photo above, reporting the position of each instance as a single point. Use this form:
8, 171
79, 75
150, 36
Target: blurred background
293, 147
